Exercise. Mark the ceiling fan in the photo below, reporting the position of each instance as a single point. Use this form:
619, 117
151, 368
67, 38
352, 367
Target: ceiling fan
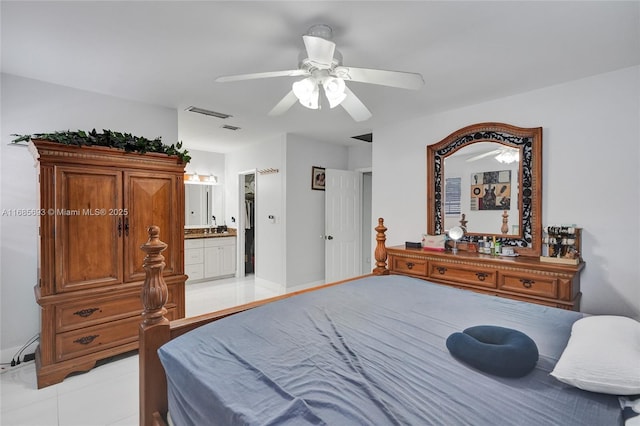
321, 66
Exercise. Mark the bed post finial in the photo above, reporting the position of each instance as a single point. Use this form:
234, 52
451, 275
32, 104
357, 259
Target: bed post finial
154, 290
381, 250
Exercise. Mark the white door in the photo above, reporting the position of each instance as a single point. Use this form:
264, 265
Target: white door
343, 194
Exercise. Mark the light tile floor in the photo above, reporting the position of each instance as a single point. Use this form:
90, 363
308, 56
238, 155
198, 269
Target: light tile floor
108, 394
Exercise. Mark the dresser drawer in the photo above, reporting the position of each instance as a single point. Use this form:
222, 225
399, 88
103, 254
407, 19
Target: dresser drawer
409, 265
535, 285
463, 274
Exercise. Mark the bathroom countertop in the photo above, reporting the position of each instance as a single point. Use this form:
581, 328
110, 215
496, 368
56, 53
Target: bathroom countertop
198, 234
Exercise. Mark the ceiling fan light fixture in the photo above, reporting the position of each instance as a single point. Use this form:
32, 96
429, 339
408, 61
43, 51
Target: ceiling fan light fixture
334, 89
307, 92
508, 156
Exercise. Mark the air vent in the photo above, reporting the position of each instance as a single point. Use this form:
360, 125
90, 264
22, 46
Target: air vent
208, 112
229, 127
368, 137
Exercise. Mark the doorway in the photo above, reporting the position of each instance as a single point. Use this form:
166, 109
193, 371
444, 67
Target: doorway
247, 224
348, 232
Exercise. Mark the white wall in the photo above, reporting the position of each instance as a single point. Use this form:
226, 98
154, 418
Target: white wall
305, 207
207, 163
30, 106
360, 156
591, 174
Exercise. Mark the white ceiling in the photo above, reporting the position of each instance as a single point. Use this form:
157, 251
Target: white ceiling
169, 53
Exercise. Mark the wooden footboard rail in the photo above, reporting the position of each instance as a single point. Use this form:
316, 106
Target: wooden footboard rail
156, 329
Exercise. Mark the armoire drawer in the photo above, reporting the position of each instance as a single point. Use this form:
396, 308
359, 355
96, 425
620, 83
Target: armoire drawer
463, 274
71, 316
75, 343
409, 265
87, 340
535, 285
90, 312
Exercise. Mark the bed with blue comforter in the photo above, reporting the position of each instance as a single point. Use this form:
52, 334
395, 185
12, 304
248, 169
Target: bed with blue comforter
372, 352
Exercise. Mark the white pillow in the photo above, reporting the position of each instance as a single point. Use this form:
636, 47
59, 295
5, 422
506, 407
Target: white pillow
602, 355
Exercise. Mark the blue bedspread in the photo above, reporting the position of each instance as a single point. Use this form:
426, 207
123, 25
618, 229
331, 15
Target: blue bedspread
371, 352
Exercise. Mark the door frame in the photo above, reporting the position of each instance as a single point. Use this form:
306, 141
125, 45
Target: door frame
240, 239
367, 222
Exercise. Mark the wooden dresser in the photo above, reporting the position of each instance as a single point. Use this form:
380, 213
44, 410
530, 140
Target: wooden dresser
96, 204
521, 278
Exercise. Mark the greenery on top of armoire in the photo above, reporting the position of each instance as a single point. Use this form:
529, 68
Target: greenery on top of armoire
109, 138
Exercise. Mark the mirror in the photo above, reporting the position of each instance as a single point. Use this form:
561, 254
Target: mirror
481, 182
204, 206
486, 178
455, 234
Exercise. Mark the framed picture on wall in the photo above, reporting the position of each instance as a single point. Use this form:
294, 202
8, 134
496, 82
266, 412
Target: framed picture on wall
317, 178
491, 190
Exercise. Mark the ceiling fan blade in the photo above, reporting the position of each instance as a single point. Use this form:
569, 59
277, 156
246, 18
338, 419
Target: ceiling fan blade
483, 155
269, 74
355, 107
284, 104
400, 79
319, 51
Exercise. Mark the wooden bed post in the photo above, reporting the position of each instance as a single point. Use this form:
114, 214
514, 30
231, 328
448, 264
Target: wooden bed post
381, 249
154, 332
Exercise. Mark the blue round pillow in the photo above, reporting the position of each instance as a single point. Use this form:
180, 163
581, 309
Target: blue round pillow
496, 350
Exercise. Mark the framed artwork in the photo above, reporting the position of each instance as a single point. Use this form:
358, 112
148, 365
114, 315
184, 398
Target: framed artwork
317, 178
491, 190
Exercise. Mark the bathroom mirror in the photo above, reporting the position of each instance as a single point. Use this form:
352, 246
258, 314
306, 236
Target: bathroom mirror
486, 178
203, 203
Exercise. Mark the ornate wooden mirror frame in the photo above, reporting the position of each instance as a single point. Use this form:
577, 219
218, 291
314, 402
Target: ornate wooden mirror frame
527, 240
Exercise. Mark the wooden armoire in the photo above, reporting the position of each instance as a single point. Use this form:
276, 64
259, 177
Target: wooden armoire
96, 204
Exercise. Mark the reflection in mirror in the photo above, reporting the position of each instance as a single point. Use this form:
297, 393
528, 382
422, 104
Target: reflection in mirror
481, 183
203, 205
486, 178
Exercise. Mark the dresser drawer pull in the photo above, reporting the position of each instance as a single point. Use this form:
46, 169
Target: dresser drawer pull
527, 283
86, 339
86, 312
481, 275
409, 265
441, 270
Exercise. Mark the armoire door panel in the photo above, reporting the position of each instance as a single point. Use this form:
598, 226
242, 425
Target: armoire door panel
88, 248
147, 197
